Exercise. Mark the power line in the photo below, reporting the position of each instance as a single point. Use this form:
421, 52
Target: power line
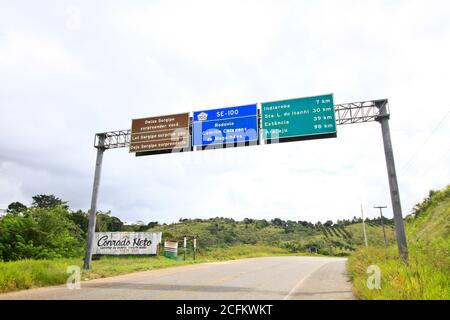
436, 160
425, 142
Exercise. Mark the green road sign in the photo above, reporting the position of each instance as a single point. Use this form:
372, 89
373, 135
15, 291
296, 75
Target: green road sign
298, 117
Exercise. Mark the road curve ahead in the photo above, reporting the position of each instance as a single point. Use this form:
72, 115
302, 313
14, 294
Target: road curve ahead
272, 278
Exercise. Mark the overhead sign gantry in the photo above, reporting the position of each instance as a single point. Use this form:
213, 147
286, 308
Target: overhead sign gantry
280, 121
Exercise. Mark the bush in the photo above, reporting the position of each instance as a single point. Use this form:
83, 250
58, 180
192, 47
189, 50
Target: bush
41, 234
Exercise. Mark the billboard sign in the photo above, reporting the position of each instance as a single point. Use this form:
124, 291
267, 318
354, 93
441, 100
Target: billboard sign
312, 116
134, 243
226, 125
160, 133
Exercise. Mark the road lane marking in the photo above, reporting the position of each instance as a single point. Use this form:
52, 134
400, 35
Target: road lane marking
299, 284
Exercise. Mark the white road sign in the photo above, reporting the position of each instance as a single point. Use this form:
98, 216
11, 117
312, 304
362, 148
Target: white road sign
117, 243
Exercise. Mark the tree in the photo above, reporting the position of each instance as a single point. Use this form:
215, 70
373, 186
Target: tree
261, 224
106, 222
43, 201
303, 223
115, 224
81, 219
277, 222
16, 208
101, 224
289, 226
152, 224
328, 224
40, 234
421, 207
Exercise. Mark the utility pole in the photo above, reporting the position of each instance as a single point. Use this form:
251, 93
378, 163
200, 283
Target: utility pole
195, 246
383, 119
364, 227
185, 247
382, 223
93, 211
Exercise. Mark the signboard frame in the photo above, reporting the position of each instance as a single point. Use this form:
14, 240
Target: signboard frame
232, 144
297, 137
164, 150
152, 250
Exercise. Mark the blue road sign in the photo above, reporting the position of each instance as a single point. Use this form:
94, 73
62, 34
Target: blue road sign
226, 125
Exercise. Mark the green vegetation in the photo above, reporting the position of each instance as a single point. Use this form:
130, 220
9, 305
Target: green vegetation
25, 274
48, 229
338, 239
374, 233
37, 243
40, 234
427, 276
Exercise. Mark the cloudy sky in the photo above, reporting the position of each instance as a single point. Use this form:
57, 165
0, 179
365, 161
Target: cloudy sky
69, 69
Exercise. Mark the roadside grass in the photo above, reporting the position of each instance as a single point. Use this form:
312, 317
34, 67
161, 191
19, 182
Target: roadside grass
27, 274
426, 277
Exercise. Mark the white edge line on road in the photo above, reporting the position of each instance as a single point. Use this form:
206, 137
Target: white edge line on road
297, 286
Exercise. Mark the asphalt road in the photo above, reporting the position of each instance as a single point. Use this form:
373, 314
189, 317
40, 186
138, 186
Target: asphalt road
273, 278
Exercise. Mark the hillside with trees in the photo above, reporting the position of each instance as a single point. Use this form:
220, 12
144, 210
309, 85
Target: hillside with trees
39, 242
48, 229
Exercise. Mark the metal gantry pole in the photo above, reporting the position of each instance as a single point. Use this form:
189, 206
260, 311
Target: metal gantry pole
93, 211
383, 119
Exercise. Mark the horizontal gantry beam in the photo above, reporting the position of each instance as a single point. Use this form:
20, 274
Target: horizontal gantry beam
113, 139
347, 113
360, 112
